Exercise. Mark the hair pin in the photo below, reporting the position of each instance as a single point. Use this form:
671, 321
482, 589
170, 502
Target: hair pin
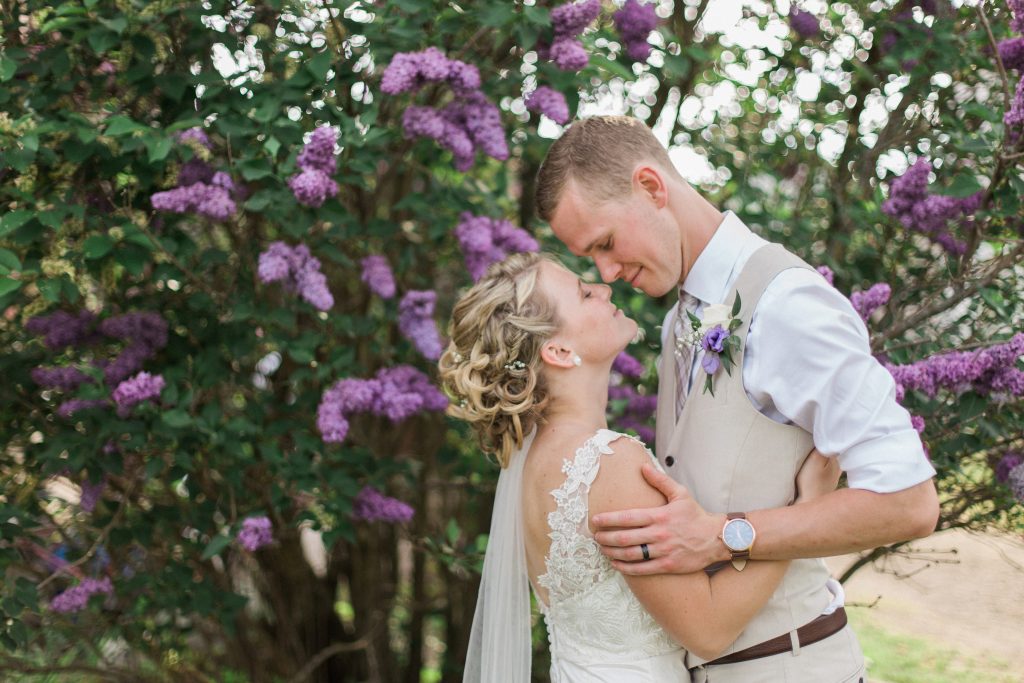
515, 365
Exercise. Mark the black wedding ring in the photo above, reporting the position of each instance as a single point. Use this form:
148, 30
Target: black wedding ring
645, 551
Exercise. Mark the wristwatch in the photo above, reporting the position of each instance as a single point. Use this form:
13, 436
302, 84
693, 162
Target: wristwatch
738, 535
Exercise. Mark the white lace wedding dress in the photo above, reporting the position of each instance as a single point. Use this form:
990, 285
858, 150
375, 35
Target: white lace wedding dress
597, 629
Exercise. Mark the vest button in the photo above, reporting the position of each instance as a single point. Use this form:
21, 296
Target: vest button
669, 461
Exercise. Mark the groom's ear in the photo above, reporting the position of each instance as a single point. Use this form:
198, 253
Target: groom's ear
648, 181
556, 355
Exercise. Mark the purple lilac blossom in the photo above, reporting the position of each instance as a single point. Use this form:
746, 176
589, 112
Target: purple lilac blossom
1013, 120
1015, 480
568, 54
65, 378
194, 171
989, 371
481, 120
377, 274
866, 303
318, 153
195, 134
63, 329
634, 22
827, 273
145, 332
1006, 464
255, 533
572, 17
312, 187
74, 599
804, 23
373, 506
1017, 7
299, 269
416, 322
910, 202
91, 494
550, 103
917, 422
638, 412
1011, 51
131, 392
627, 366
207, 200
68, 408
396, 393
409, 71
487, 240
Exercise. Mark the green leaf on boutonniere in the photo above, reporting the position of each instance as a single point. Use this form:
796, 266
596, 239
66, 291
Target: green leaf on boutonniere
734, 323
707, 385
694, 320
736, 306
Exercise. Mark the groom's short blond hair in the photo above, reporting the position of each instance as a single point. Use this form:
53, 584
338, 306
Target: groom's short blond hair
600, 154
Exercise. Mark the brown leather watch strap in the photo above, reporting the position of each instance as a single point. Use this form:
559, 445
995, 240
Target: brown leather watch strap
743, 555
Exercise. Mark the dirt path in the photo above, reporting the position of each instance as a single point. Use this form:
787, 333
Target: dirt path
971, 600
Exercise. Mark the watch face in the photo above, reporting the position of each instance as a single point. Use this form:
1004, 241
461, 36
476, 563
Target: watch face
738, 534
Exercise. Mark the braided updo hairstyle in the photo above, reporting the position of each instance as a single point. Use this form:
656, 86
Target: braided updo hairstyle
492, 365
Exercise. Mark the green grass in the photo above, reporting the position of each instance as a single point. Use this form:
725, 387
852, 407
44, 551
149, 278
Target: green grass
896, 658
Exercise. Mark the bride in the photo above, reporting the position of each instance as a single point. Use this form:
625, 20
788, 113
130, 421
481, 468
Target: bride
528, 367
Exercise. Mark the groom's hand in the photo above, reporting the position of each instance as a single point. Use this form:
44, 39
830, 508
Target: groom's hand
680, 536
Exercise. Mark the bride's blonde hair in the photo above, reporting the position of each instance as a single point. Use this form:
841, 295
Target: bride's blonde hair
491, 368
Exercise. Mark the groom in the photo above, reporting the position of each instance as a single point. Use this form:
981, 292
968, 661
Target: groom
804, 377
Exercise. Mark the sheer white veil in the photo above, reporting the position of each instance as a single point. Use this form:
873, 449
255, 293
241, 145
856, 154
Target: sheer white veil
499, 643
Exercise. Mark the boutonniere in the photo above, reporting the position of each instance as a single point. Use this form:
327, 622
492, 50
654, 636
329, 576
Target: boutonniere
714, 334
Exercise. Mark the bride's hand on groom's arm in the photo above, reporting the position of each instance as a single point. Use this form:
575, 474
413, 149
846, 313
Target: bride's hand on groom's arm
681, 536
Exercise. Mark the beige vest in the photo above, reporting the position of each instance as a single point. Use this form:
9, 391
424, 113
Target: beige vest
734, 459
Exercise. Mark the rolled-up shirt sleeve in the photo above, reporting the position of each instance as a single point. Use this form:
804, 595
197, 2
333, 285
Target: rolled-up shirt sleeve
808, 361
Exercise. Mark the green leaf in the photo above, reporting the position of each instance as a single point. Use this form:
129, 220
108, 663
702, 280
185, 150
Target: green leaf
320, 65
121, 125
215, 546
117, 25
451, 531
708, 386
497, 14
7, 285
159, 148
736, 306
7, 68
50, 289
8, 261
97, 246
176, 419
14, 220
964, 185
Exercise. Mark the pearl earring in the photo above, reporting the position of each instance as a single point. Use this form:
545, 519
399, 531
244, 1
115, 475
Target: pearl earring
577, 361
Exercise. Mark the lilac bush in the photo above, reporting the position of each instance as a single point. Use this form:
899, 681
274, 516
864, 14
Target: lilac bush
396, 393
378, 276
76, 598
866, 303
299, 270
487, 240
550, 103
255, 533
634, 22
373, 506
416, 322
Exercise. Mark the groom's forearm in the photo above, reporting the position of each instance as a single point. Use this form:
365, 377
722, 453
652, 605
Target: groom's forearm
844, 521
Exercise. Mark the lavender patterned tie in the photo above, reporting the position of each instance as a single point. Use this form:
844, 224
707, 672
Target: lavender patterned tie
684, 352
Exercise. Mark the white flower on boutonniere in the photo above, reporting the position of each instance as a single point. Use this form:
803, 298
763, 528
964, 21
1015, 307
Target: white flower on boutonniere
715, 314
714, 333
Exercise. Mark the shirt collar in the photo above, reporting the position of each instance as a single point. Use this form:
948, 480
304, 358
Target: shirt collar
709, 278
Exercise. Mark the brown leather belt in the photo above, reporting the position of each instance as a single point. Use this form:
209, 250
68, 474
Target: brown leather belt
811, 632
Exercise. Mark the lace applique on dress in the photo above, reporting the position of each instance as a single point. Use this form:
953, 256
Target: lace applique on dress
591, 615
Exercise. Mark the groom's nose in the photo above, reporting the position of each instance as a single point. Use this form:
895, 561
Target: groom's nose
607, 267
